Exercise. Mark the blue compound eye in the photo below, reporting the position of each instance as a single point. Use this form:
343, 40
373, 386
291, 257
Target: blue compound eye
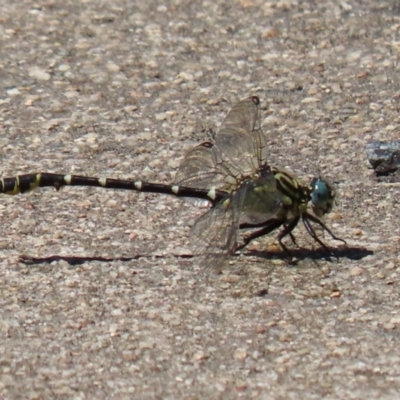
322, 197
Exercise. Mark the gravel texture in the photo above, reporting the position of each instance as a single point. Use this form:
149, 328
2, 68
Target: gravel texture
123, 89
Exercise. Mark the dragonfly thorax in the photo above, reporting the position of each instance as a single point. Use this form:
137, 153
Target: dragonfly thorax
295, 196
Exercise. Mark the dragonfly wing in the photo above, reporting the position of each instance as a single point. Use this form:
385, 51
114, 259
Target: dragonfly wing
262, 200
240, 138
239, 152
214, 235
204, 168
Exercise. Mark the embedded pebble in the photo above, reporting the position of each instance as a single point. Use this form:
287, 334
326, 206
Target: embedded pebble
38, 73
356, 271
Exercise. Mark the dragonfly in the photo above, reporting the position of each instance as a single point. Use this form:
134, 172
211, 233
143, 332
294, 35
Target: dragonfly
230, 171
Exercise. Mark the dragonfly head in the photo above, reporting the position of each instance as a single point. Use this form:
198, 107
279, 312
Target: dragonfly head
322, 196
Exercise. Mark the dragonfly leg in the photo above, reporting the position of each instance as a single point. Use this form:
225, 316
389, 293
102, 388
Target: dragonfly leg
293, 238
310, 230
322, 225
287, 231
262, 224
270, 226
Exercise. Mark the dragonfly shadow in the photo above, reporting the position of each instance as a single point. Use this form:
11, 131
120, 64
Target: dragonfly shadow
79, 260
351, 253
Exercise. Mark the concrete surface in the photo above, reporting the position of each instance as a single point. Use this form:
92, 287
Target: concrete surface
123, 89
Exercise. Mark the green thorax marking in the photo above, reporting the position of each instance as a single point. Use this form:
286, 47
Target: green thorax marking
295, 196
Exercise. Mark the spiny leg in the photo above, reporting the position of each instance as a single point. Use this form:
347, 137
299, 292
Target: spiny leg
288, 231
269, 226
293, 239
312, 233
262, 225
306, 217
323, 226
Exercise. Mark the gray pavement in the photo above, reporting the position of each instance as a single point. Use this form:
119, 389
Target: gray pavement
123, 89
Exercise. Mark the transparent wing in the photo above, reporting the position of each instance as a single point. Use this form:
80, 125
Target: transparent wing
214, 235
235, 163
239, 151
203, 167
262, 199
240, 138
